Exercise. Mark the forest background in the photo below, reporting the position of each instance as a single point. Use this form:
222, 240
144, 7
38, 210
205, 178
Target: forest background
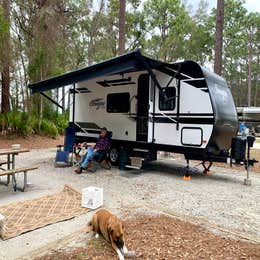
44, 38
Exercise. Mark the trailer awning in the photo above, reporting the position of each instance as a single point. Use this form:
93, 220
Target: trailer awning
129, 62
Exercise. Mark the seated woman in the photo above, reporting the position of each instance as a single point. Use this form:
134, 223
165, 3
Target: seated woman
95, 150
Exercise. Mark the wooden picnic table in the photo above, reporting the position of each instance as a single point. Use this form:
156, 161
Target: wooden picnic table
10, 162
13, 151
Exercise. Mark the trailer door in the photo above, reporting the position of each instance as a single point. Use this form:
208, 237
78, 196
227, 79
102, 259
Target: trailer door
142, 108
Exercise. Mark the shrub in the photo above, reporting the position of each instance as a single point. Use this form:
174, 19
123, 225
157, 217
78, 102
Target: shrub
3, 123
61, 122
28, 123
48, 128
25, 124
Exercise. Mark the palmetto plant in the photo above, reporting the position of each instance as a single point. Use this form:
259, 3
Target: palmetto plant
21, 123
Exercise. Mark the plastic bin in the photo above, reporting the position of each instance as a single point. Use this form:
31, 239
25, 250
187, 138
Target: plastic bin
92, 197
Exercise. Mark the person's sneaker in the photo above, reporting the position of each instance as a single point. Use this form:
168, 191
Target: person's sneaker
92, 167
78, 170
104, 164
89, 165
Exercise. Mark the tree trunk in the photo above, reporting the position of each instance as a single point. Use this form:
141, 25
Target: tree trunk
23, 75
91, 50
249, 66
219, 37
40, 114
6, 62
40, 106
257, 80
122, 29
92, 34
20, 85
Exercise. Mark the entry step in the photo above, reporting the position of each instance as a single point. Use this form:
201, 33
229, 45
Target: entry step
136, 162
132, 167
140, 150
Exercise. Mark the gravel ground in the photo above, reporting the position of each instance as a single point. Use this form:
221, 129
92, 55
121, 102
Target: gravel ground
257, 145
219, 199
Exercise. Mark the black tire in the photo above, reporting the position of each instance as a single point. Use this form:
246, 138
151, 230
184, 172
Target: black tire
114, 156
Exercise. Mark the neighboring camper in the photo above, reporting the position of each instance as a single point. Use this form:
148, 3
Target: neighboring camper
251, 117
151, 105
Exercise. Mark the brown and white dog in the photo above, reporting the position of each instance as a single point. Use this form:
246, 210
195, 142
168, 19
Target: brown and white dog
111, 228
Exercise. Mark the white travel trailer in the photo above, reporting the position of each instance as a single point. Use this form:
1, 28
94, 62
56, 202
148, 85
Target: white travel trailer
150, 105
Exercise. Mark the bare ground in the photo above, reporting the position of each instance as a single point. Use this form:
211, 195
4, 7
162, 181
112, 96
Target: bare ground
164, 237
31, 141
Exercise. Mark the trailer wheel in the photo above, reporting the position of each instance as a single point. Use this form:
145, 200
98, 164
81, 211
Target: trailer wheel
113, 156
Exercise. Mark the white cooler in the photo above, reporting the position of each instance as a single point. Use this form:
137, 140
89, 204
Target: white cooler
92, 197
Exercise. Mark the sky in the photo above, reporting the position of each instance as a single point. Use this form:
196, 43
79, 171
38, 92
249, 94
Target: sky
253, 5
250, 5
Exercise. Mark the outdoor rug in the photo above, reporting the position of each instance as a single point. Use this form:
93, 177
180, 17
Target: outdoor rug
20, 217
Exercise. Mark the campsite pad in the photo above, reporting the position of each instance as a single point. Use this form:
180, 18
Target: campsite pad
28, 215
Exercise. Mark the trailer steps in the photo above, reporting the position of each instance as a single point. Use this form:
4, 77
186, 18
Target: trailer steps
132, 167
136, 163
141, 150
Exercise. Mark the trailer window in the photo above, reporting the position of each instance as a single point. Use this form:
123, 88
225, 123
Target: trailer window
167, 104
118, 102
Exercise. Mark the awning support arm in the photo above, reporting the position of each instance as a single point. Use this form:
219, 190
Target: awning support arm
153, 77
178, 103
73, 104
53, 101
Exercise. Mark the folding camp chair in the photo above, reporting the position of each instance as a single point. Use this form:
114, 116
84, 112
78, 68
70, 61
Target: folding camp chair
101, 160
63, 151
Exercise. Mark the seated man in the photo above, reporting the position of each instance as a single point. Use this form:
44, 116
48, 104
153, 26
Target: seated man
95, 151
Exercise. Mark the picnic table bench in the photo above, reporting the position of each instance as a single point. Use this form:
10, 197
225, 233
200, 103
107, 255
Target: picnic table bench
10, 170
3, 162
19, 170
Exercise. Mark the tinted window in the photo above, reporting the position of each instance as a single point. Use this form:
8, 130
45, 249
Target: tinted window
167, 104
118, 102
